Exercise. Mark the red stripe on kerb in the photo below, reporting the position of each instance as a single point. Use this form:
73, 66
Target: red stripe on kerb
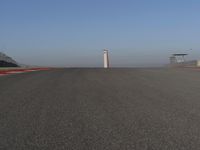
14, 71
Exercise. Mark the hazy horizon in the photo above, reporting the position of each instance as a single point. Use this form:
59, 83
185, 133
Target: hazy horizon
64, 33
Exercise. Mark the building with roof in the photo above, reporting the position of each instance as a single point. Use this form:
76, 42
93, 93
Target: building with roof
179, 60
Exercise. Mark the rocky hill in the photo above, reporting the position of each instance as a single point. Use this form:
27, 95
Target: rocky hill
6, 61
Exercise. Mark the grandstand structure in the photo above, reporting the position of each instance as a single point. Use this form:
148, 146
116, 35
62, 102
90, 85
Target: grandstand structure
179, 60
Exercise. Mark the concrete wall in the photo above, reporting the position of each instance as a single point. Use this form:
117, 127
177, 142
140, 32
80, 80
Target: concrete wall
193, 63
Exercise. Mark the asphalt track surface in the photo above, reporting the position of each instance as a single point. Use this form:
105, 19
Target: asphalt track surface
97, 109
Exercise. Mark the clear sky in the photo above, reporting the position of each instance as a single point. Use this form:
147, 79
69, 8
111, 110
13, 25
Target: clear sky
72, 33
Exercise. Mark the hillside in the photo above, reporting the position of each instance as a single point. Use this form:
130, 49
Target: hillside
6, 61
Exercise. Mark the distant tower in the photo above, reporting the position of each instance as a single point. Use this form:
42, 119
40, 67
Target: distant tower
106, 58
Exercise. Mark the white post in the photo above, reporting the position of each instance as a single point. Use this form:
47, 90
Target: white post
106, 59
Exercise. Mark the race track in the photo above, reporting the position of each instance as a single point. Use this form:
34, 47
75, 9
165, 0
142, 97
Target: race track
99, 109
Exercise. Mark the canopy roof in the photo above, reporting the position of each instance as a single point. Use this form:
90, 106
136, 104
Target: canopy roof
180, 54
